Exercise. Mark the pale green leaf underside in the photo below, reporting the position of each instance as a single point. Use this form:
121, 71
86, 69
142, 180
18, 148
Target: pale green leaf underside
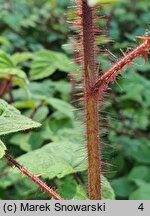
94, 2
11, 119
56, 159
107, 191
2, 149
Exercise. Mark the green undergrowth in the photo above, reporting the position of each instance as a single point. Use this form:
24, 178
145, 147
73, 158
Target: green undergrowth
33, 56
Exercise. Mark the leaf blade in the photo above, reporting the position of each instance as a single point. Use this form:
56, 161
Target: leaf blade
11, 119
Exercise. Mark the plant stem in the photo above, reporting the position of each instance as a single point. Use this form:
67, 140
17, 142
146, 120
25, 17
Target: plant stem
91, 103
5, 86
34, 178
108, 76
37, 108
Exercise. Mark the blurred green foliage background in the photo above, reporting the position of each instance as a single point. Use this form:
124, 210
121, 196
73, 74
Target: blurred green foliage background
32, 35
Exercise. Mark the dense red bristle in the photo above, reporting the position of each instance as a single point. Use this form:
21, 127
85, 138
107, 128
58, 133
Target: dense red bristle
103, 111
101, 103
105, 164
109, 76
104, 143
79, 58
78, 94
144, 38
81, 124
79, 86
80, 117
103, 118
107, 172
77, 100
104, 125
78, 109
86, 51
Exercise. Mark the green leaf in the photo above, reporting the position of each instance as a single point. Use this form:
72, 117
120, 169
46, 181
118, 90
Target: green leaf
40, 115
64, 88
16, 72
18, 58
107, 191
25, 104
25, 188
62, 106
142, 155
11, 119
135, 86
70, 190
94, 2
56, 159
47, 62
27, 142
142, 193
4, 41
7, 68
2, 149
122, 187
139, 117
139, 173
59, 129
5, 61
41, 90
137, 149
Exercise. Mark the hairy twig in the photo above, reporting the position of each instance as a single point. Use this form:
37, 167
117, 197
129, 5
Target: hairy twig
91, 103
109, 76
32, 177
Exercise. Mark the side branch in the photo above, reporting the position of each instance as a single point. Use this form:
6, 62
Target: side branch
34, 178
108, 76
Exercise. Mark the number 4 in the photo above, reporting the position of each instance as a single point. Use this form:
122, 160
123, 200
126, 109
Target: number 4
141, 207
